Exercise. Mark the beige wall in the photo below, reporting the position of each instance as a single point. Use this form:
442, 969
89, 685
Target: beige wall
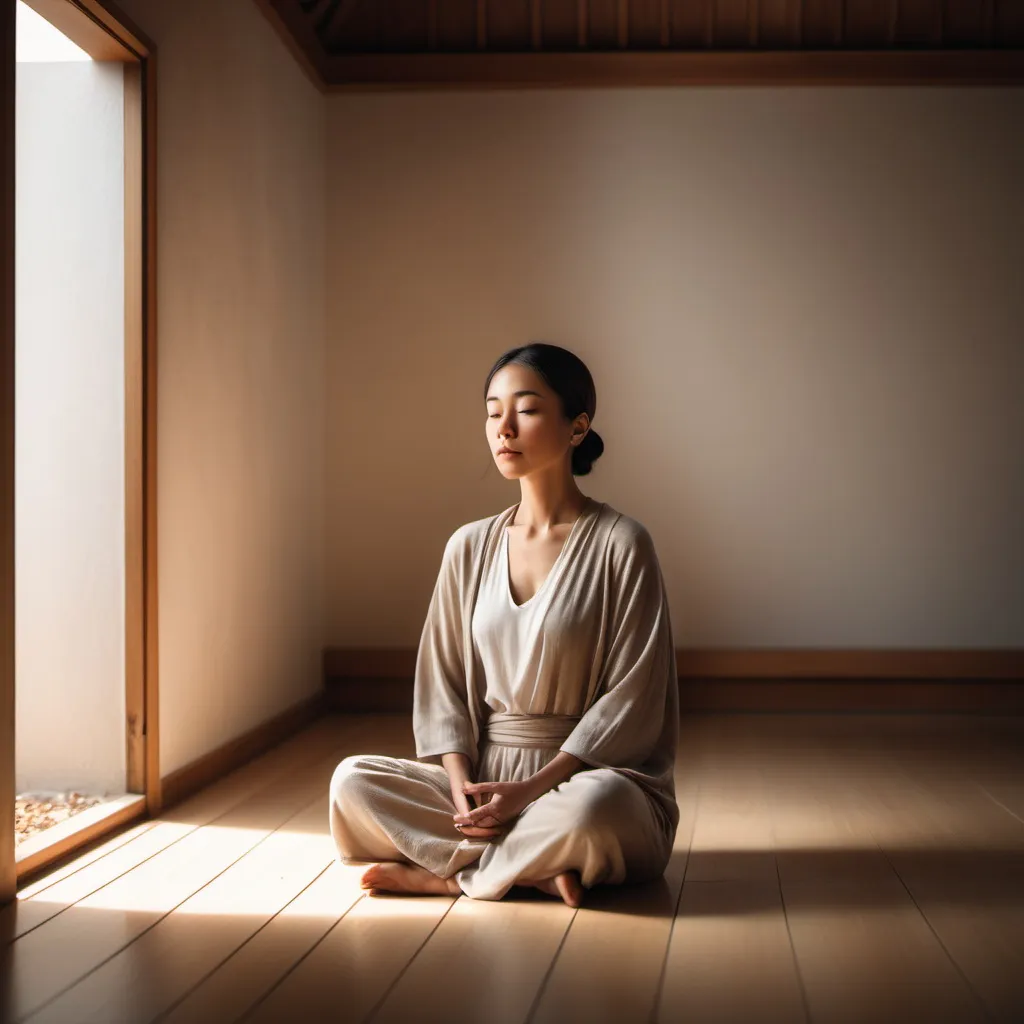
240, 206
69, 428
803, 310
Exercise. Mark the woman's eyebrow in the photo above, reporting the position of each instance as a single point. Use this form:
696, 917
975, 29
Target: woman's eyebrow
517, 394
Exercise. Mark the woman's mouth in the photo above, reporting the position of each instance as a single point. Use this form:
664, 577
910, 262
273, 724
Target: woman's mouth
508, 454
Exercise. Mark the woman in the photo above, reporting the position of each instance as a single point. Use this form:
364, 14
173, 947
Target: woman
546, 672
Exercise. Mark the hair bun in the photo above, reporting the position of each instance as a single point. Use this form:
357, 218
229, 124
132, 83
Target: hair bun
586, 453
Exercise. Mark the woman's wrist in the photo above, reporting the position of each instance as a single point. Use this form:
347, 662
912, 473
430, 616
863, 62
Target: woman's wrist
459, 769
557, 770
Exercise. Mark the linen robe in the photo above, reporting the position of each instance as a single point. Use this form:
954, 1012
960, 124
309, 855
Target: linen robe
586, 665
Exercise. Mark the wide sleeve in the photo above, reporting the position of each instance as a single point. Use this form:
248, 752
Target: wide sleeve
440, 716
633, 724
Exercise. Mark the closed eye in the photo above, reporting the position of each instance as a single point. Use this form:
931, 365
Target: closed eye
525, 412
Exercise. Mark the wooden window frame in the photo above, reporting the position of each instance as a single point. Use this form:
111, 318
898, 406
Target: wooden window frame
99, 28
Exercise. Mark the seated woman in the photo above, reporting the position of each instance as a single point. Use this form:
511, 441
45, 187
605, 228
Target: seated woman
546, 672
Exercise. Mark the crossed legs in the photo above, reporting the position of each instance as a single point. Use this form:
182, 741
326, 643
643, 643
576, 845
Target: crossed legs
595, 827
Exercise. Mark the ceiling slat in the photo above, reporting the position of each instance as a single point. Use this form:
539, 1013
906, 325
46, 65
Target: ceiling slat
731, 25
1009, 22
869, 24
603, 25
918, 23
779, 24
822, 24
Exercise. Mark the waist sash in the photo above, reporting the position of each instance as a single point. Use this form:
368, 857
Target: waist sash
529, 730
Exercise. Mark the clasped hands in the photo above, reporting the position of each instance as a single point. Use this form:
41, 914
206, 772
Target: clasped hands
507, 800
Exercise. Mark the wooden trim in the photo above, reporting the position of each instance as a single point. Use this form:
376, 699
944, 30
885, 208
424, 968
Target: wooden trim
76, 835
210, 767
350, 663
85, 29
8, 874
372, 71
134, 433
108, 15
960, 681
364, 695
297, 34
103, 31
857, 664
151, 592
842, 695
793, 696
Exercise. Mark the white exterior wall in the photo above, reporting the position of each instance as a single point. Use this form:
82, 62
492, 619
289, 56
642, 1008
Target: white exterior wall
69, 443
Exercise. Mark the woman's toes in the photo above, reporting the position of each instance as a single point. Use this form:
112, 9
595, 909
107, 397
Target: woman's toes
370, 877
409, 878
568, 886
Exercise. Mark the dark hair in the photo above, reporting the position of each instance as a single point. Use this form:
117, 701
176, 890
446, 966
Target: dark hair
567, 375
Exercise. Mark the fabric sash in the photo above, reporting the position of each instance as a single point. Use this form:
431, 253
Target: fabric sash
529, 730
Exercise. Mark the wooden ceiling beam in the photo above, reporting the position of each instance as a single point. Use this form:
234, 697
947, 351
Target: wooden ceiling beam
353, 72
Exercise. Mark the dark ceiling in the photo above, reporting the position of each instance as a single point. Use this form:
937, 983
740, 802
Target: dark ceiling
509, 42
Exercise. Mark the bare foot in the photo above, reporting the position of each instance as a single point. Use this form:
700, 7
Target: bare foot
392, 877
566, 885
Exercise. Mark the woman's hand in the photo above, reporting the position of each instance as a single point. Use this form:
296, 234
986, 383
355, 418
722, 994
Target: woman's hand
458, 767
507, 800
463, 807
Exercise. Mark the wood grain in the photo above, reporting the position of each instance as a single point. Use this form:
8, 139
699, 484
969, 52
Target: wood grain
826, 868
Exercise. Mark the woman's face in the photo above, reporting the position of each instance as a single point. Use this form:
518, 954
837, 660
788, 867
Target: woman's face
525, 415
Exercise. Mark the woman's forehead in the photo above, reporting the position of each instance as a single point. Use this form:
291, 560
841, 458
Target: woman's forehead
513, 379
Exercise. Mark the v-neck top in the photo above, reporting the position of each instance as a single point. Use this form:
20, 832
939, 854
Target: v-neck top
524, 648
594, 643
555, 567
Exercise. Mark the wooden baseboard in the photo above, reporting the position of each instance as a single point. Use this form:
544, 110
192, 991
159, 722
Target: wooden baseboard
199, 773
916, 696
368, 694
922, 681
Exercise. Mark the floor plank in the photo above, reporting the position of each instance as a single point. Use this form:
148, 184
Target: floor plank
726, 931
256, 967
864, 950
730, 922
206, 929
49, 959
358, 961
732, 831
868, 954
65, 886
499, 952
962, 863
618, 941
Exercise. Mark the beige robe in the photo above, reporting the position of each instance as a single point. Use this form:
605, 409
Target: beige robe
587, 665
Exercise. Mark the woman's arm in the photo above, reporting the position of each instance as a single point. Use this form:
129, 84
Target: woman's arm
440, 716
557, 770
457, 766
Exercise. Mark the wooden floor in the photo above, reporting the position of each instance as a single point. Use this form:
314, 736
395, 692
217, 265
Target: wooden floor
827, 868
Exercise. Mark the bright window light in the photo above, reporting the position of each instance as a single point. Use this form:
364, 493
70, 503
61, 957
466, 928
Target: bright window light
39, 42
